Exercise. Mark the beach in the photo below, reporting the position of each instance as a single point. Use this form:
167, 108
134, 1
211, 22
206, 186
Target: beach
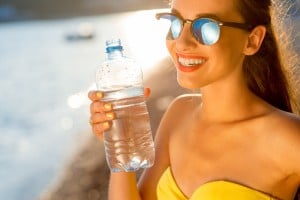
47, 149
44, 109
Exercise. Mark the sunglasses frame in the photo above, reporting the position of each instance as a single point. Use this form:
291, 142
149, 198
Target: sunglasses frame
243, 26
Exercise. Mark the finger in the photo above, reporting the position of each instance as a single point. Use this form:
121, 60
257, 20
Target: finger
147, 92
98, 129
99, 106
95, 95
100, 136
101, 117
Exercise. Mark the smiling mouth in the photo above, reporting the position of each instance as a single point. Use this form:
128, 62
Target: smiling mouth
191, 62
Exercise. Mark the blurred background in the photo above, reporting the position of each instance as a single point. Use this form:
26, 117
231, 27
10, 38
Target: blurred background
49, 51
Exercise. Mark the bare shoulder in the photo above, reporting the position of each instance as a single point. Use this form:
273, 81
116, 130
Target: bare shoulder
287, 122
181, 105
286, 129
184, 103
287, 125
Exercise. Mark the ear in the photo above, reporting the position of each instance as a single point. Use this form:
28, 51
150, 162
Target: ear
255, 40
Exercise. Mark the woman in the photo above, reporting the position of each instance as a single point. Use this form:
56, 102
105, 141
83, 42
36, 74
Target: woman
241, 141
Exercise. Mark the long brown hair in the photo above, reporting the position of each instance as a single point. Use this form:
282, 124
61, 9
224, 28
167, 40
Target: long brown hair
265, 72
269, 73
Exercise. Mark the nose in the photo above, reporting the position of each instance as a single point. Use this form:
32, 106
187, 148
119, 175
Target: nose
186, 40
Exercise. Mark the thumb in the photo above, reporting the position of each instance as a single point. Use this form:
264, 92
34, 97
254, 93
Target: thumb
147, 92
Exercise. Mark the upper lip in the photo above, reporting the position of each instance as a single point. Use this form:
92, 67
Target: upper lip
191, 59
190, 56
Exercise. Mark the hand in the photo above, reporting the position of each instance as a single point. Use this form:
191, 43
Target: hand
102, 112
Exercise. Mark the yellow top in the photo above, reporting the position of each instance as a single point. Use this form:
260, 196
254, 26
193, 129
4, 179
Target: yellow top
167, 189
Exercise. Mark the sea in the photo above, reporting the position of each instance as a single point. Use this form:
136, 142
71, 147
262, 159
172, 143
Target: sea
47, 68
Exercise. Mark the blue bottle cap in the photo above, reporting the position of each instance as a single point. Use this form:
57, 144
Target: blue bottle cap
113, 45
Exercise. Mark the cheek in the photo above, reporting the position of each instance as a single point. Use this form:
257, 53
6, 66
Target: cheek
233, 40
230, 48
170, 44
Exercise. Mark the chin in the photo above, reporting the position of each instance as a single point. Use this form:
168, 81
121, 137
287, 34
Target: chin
188, 85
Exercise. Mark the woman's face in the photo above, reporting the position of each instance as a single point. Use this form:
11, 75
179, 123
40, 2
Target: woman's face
221, 61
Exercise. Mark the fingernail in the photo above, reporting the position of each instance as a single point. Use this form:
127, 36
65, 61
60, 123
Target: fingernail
110, 115
99, 94
108, 106
106, 124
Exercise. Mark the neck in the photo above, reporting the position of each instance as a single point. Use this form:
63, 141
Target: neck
229, 103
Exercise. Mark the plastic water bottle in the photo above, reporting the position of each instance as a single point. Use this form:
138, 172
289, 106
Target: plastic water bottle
128, 143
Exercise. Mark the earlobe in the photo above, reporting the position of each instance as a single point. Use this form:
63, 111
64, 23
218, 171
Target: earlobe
255, 40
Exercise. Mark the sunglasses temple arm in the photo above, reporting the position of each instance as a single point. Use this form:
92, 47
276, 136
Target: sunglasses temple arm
237, 25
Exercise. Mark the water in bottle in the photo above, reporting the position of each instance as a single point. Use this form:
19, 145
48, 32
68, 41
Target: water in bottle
128, 143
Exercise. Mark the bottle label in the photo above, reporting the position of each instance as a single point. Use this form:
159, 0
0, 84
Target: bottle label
123, 93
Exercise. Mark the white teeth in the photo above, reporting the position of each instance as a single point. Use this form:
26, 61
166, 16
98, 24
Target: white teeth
191, 62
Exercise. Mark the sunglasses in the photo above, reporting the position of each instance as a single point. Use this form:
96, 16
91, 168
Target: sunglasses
205, 30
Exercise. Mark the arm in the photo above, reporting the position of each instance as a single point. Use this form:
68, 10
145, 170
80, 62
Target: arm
122, 185
150, 177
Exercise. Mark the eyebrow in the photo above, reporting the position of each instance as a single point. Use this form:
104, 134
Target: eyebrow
204, 15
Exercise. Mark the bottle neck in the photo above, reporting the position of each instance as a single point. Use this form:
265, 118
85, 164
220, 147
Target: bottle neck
114, 54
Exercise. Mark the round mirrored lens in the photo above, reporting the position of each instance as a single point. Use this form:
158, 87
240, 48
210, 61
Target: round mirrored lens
206, 31
176, 27
210, 33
